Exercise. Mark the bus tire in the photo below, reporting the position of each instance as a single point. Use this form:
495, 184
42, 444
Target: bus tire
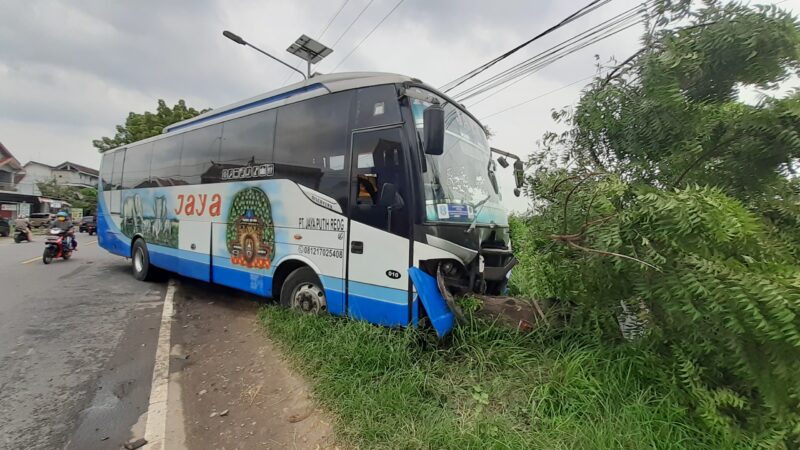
302, 291
140, 261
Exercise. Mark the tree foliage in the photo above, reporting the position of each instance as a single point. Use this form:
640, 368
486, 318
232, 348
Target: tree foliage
142, 126
78, 197
672, 200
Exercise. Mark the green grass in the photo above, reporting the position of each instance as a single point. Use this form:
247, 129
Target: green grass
483, 387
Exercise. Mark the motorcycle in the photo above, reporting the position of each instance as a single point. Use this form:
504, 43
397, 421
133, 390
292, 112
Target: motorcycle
58, 245
21, 235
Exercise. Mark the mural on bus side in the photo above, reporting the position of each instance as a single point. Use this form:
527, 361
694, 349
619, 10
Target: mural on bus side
250, 234
153, 223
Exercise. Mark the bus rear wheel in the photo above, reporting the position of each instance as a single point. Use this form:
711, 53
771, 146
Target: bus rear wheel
140, 262
302, 291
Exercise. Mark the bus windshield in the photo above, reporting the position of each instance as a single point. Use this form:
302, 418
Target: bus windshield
459, 182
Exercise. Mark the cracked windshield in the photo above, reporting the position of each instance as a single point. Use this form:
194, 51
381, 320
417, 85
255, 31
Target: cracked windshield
458, 183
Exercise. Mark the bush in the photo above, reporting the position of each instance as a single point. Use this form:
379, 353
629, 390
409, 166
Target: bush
720, 294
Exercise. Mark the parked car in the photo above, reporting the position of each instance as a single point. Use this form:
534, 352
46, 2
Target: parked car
39, 220
88, 225
5, 227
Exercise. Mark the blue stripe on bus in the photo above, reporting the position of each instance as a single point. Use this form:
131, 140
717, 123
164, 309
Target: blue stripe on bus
377, 304
250, 105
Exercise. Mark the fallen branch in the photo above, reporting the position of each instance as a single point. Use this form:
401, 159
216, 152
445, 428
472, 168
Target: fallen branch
618, 255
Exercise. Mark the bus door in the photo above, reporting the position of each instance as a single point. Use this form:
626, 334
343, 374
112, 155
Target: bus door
380, 228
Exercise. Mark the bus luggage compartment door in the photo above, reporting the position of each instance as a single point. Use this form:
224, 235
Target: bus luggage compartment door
194, 241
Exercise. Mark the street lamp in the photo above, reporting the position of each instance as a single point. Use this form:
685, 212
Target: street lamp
241, 41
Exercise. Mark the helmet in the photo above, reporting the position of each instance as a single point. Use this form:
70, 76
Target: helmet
61, 214
22, 216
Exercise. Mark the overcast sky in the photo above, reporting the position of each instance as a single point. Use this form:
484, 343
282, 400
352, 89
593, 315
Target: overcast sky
71, 70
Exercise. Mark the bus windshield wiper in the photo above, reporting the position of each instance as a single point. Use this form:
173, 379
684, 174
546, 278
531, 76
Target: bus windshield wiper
478, 208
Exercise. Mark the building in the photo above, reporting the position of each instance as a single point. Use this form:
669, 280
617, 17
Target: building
9, 169
71, 174
66, 174
13, 202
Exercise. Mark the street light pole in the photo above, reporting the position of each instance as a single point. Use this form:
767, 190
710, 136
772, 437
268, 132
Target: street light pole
241, 41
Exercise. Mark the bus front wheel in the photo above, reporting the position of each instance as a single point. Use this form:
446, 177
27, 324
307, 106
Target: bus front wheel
302, 291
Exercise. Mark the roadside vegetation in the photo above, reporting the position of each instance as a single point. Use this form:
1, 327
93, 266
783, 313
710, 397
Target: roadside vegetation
665, 225
485, 387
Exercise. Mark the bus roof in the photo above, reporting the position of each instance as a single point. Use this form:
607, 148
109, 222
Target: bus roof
317, 85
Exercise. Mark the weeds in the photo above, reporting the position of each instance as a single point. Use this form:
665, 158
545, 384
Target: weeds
484, 387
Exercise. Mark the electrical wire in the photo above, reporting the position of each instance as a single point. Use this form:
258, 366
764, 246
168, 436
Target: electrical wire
593, 5
608, 28
352, 23
324, 30
368, 35
623, 18
535, 98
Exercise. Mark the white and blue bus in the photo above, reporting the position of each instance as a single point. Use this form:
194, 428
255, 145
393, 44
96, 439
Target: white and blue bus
322, 195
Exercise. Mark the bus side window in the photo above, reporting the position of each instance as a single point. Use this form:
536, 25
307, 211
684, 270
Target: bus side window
200, 155
166, 161
311, 140
137, 166
116, 175
248, 140
106, 169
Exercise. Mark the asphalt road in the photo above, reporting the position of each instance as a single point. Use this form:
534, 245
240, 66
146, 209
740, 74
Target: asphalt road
77, 342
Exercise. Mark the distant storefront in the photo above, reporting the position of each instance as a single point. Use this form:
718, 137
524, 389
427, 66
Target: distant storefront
12, 204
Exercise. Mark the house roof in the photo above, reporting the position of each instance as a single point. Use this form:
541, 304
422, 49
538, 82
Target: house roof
38, 164
68, 165
7, 159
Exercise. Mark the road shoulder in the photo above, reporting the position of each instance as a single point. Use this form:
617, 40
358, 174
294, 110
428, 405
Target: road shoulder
236, 390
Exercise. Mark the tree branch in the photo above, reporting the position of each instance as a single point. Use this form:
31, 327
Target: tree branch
618, 255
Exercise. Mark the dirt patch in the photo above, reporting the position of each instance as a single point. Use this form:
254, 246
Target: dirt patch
236, 389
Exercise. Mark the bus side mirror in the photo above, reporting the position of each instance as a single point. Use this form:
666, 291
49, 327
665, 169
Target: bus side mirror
519, 176
433, 124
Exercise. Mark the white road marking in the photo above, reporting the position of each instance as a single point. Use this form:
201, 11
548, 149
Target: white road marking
156, 426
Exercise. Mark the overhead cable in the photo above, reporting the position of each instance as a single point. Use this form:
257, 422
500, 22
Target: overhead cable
537, 62
594, 4
368, 35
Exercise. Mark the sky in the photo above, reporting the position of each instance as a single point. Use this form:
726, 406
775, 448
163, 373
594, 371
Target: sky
71, 70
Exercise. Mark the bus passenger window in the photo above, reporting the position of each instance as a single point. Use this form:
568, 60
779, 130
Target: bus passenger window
137, 166
311, 140
200, 155
247, 141
166, 161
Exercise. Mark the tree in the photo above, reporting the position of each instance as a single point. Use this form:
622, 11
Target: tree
672, 200
78, 197
142, 126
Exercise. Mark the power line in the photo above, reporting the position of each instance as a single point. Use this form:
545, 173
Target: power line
351, 24
541, 60
536, 98
572, 17
368, 35
588, 37
324, 30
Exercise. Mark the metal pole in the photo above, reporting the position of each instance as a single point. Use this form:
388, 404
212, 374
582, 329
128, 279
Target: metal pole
276, 59
309, 68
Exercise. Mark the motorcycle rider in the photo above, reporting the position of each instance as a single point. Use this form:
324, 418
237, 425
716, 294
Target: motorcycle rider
63, 222
24, 224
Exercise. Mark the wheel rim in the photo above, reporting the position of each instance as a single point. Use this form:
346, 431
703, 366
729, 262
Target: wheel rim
138, 260
309, 299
